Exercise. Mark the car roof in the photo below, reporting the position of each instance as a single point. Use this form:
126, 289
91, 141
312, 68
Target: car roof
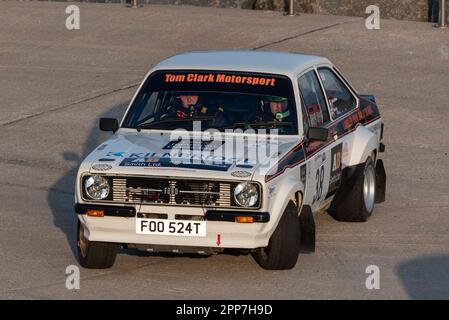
273, 62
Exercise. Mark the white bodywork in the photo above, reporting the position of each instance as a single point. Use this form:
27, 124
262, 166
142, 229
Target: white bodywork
276, 192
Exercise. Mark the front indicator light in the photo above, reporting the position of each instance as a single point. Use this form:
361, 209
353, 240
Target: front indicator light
244, 219
95, 213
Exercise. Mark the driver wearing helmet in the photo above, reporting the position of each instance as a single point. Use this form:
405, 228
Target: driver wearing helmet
185, 106
190, 105
273, 109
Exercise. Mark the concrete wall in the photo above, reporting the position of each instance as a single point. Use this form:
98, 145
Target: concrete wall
397, 9
389, 9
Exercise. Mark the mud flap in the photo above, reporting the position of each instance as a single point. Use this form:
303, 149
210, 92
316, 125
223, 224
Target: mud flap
381, 181
307, 225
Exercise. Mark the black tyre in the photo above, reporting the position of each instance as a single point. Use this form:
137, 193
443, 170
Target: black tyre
95, 255
355, 202
283, 249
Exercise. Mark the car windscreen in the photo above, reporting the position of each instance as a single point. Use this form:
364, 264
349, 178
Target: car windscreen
221, 100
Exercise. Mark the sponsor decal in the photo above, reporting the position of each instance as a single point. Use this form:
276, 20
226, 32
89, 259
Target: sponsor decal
222, 81
167, 163
211, 160
336, 166
361, 115
123, 154
119, 154
220, 78
315, 115
303, 173
192, 144
355, 117
141, 162
368, 111
271, 191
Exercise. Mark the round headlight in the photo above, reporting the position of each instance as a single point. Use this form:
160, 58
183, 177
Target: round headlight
246, 194
97, 187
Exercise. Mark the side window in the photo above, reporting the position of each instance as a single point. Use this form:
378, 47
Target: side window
340, 98
313, 99
305, 118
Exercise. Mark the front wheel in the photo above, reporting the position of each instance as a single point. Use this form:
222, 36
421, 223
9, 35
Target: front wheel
283, 249
95, 255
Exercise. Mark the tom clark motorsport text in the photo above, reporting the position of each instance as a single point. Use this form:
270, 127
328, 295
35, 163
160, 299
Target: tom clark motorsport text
220, 78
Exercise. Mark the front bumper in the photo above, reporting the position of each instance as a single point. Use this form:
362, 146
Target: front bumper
219, 234
119, 226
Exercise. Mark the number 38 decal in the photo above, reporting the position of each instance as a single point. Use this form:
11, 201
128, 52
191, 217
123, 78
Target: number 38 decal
319, 177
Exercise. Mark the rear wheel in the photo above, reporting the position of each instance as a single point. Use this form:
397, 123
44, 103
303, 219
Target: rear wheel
283, 249
356, 202
95, 255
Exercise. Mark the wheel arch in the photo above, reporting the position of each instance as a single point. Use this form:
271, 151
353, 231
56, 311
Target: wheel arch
293, 191
289, 189
365, 144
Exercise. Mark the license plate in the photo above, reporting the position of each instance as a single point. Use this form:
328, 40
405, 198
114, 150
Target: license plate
171, 227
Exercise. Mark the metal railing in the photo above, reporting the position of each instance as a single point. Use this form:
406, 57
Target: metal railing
442, 20
291, 8
135, 4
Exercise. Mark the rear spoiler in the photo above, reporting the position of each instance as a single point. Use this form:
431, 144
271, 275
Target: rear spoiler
369, 97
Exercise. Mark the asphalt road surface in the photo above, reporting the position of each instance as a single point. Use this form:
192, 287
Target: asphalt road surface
56, 83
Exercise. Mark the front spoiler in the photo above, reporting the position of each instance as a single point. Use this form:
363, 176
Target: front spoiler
111, 211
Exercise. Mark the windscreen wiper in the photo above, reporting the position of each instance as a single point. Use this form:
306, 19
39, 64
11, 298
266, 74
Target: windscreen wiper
149, 125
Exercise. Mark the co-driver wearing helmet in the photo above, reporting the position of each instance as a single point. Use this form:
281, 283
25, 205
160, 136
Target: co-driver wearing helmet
273, 109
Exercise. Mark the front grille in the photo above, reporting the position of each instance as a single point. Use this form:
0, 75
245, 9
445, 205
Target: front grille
166, 191
145, 190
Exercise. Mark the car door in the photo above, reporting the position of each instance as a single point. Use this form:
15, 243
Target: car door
342, 104
316, 169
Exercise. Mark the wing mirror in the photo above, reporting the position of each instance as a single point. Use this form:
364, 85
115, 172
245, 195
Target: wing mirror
108, 124
316, 133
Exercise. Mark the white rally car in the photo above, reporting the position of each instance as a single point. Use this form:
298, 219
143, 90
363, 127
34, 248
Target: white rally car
231, 149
